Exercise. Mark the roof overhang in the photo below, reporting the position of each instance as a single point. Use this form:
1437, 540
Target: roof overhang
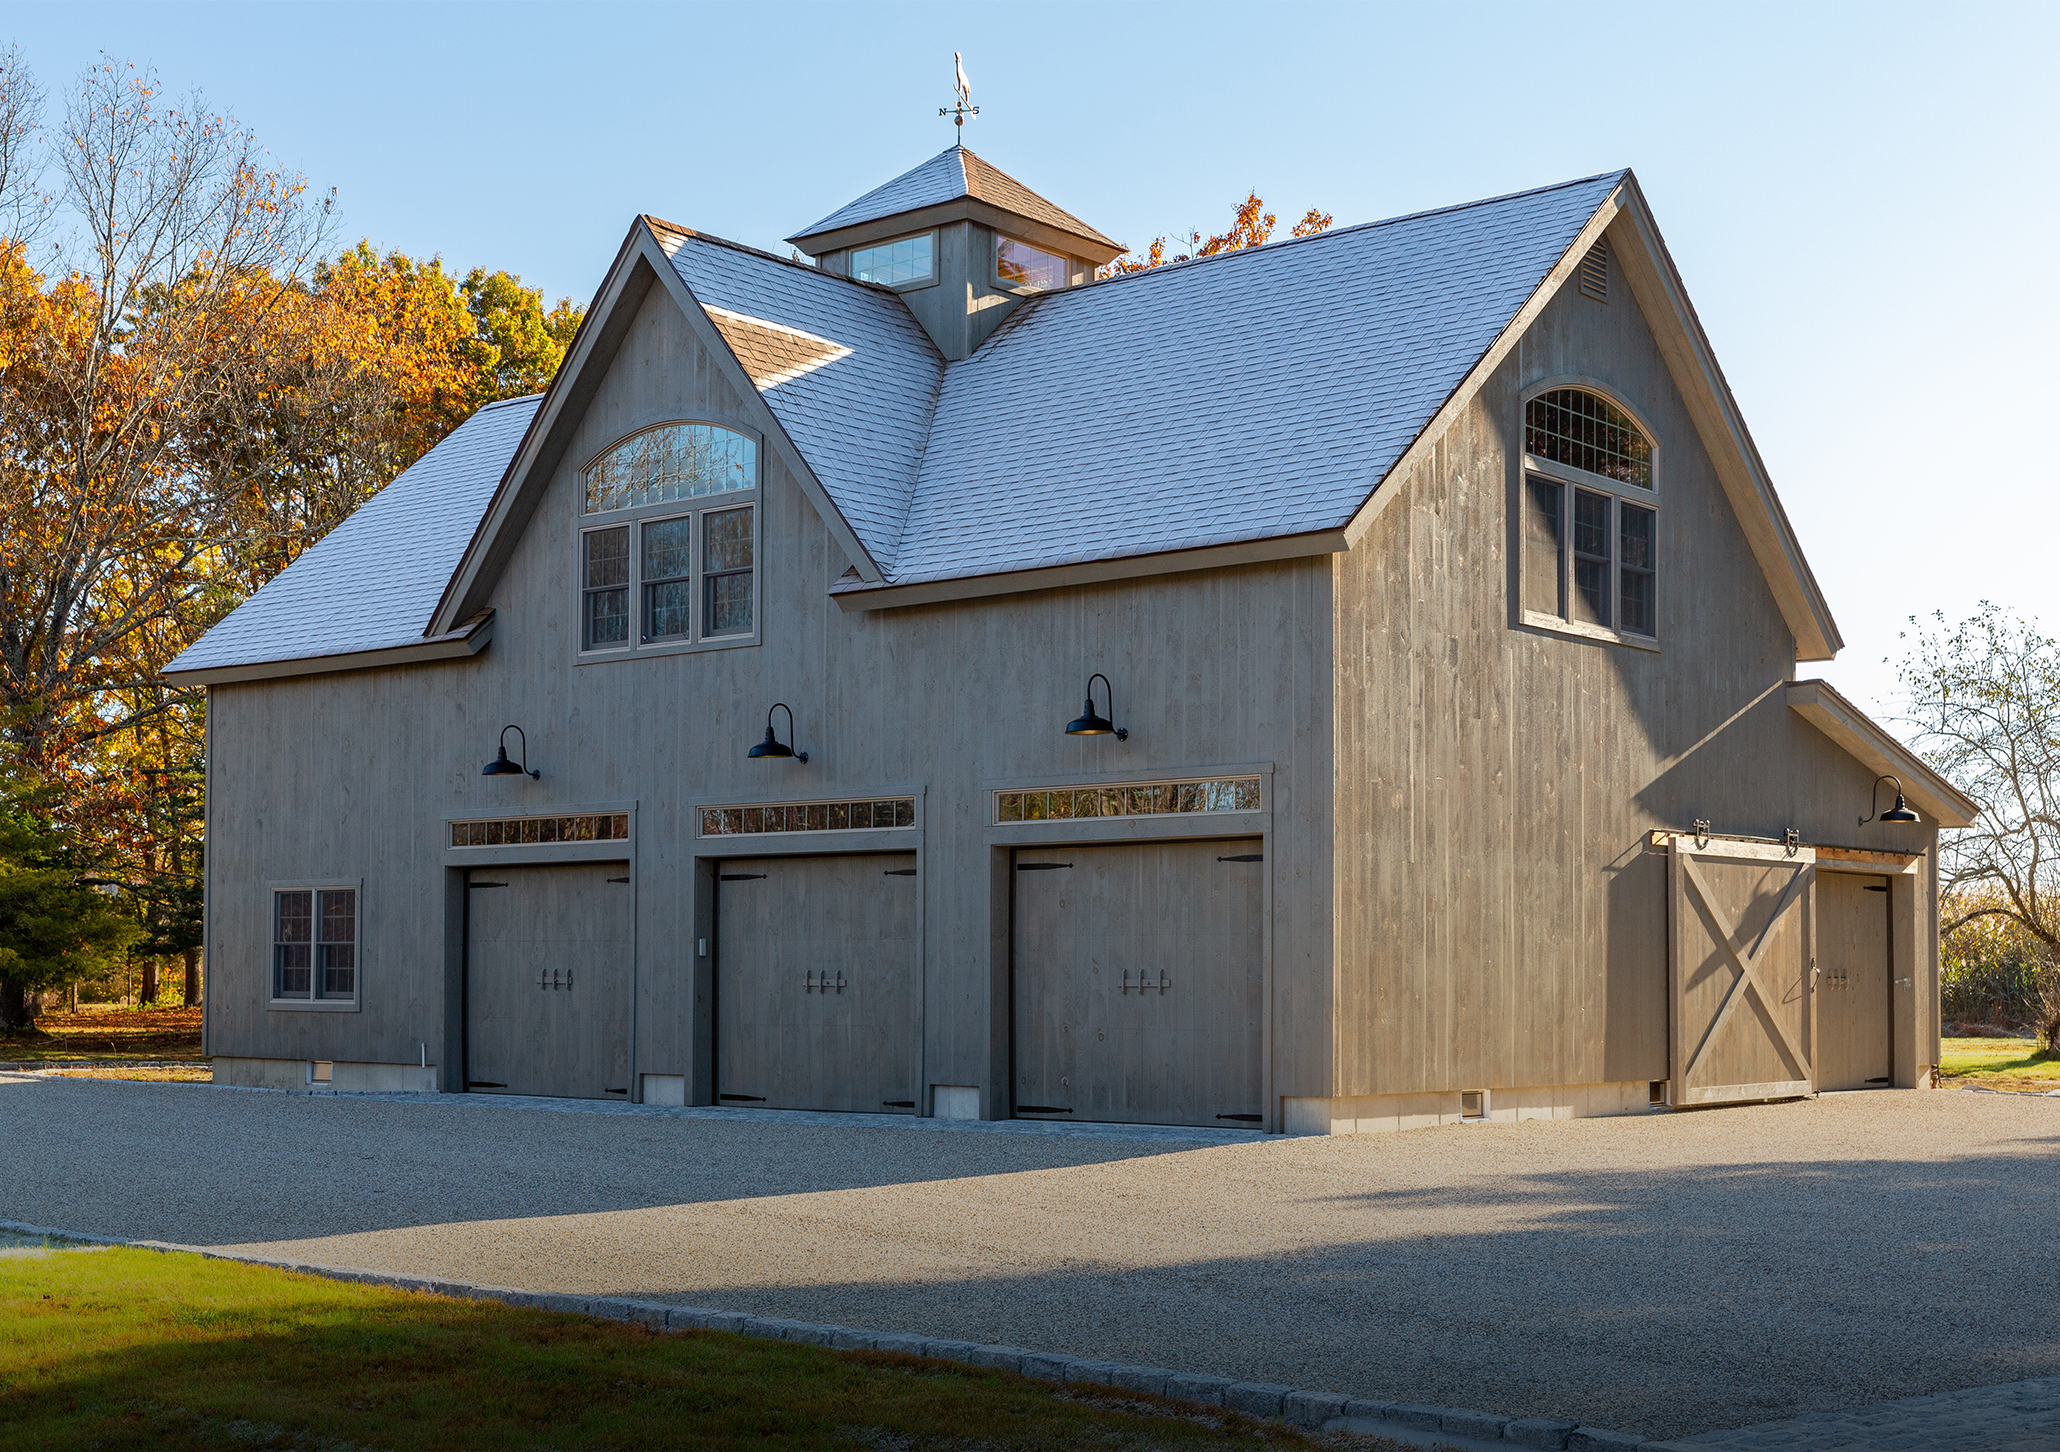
1098, 250
1636, 244
1817, 703
463, 643
857, 595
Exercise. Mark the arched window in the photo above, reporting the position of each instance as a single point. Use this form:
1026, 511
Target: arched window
1591, 519
1586, 431
672, 461
654, 574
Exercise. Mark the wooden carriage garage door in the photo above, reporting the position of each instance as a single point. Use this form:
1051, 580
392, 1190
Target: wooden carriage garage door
1853, 1050
547, 970
815, 998
1738, 917
1139, 989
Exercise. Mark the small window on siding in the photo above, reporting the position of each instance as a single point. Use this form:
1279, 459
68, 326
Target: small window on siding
904, 261
1018, 264
315, 944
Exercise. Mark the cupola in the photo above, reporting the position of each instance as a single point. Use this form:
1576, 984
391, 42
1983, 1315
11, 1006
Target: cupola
962, 241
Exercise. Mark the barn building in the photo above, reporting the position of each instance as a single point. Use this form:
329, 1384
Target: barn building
709, 729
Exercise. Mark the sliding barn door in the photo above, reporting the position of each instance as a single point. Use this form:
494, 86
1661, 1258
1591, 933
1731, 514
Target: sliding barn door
1739, 918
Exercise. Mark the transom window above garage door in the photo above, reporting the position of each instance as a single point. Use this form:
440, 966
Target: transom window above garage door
514, 831
808, 817
1130, 799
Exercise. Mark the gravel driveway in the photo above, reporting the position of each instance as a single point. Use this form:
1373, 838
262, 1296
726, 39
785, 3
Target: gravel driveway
1658, 1274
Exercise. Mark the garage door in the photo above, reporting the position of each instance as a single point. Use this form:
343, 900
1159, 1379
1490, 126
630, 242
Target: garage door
1139, 989
547, 969
815, 999
1852, 981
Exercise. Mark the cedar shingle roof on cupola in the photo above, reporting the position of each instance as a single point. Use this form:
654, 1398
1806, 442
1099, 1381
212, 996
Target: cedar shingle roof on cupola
954, 175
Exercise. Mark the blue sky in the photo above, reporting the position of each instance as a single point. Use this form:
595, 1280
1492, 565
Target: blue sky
1863, 200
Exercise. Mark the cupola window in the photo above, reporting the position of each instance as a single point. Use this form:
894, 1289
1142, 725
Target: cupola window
903, 262
1591, 540
1018, 264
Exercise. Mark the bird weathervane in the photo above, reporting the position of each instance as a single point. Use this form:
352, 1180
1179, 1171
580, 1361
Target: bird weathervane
965, 106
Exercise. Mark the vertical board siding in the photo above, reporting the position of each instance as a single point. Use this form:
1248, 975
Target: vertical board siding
355, 774
1500, 921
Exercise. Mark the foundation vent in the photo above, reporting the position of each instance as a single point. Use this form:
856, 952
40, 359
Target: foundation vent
1595, 273
1473, 1104
1656, 1094
321, 1071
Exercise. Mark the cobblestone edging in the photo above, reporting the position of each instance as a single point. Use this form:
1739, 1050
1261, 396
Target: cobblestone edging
1310, 1410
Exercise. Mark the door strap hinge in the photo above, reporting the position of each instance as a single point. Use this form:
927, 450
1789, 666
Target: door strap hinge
1041, 866
1245, 857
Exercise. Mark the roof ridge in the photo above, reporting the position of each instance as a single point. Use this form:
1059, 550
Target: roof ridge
659, 223
1328, 233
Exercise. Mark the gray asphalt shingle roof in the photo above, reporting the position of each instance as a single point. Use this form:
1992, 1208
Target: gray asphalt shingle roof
946, 177
858, 411
374, 580
1251, 395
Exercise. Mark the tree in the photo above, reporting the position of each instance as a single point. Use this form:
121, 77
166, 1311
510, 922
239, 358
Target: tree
180, 236
1250, 226
56, 921
1985, 700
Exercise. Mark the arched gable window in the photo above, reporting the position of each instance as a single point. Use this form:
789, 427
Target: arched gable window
672, 461
655, 574
1591, 518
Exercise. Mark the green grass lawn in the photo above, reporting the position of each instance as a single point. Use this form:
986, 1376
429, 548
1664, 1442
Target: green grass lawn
131, 1348
2013, 1064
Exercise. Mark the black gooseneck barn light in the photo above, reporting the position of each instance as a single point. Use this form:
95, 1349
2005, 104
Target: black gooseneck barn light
501, 766
772, 745
1089, 722
1900, 812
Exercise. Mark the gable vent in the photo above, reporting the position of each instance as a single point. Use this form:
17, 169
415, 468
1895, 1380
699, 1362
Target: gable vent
1595, 273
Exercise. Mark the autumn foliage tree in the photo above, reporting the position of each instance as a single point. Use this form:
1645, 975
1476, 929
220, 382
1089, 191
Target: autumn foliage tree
192, 392
1251, 226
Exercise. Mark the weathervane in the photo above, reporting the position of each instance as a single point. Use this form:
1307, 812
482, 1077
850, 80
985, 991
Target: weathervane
965, 106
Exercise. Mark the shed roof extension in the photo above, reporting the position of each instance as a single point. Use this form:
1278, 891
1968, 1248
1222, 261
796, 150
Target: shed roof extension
370, 585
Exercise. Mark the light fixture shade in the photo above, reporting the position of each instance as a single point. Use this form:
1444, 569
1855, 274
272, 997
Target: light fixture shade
501, 766
1090, 722
771, 746
1900, 812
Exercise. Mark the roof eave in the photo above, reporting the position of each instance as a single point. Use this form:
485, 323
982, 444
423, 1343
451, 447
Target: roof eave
467, 641
1094, 248
1867, 743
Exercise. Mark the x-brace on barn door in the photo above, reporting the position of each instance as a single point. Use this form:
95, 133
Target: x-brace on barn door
1739, 916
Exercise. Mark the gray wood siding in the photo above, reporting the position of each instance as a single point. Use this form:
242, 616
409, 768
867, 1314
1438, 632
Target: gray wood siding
355, 774
1500, 922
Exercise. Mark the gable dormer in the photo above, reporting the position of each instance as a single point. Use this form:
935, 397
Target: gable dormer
962, 241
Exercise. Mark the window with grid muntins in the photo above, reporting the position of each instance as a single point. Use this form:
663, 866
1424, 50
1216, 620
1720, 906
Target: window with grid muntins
315, 944
1586, 431
1590, 549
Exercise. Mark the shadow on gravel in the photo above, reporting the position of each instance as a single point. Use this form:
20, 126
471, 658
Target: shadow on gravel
1657, 1302
195, 1166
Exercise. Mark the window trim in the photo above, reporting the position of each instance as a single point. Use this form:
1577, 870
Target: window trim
353, 1004
913, 284
1569, 478
636, 516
